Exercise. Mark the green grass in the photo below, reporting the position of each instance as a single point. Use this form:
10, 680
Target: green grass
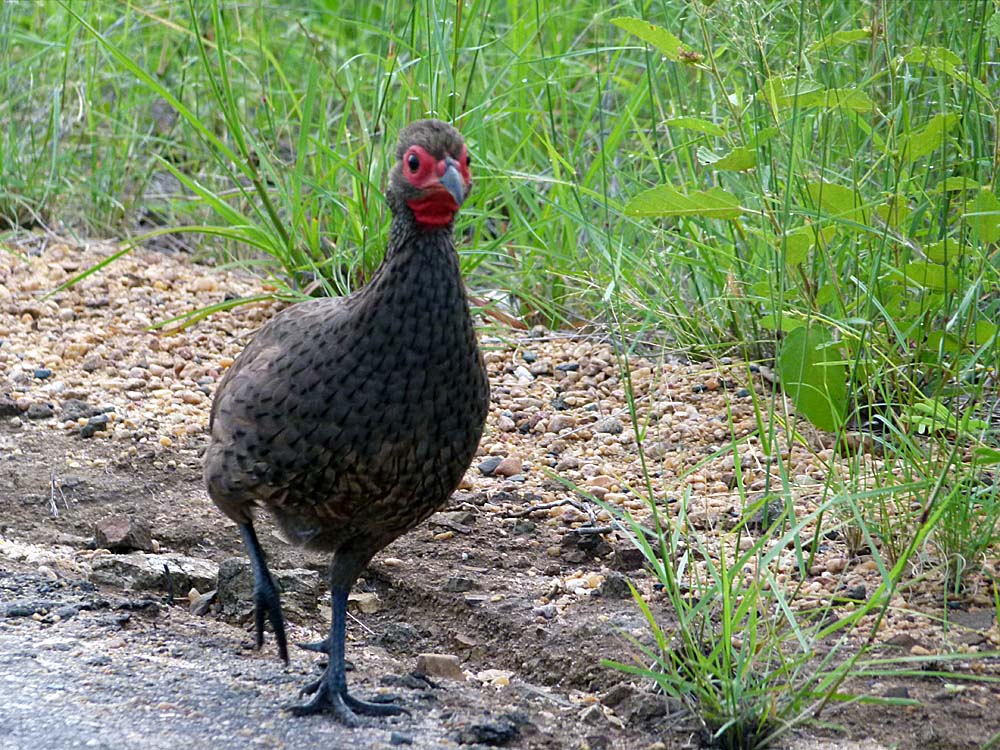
806, 181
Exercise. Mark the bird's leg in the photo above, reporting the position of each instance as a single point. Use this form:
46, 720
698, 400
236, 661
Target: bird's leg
265, 594
330, 695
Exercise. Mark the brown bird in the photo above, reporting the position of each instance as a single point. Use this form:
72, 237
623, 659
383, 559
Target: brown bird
353, 419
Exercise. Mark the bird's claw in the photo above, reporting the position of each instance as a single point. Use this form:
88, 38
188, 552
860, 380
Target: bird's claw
343, 706
267, 604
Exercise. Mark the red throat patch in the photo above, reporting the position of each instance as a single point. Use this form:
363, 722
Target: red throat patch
436, 208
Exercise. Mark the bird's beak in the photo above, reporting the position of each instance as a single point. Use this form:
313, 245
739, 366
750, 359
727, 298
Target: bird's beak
451, 181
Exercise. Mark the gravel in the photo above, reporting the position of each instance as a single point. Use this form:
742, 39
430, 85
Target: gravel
558, 411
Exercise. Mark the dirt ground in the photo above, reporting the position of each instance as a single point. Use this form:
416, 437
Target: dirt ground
502, 579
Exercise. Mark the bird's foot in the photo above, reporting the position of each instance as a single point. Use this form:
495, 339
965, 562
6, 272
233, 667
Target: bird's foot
344, 706
266, 603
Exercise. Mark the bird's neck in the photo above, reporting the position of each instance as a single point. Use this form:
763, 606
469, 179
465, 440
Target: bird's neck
420, 266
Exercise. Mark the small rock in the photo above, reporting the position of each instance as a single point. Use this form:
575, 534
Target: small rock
643, 706
503, 731
74, 409
976, 619
855, 593
559, 403
742, 393
609, 425
508, 467
440, 665
506, 424
615, 586
568, 462
903, 640
43, 373
92, 362
95, 424
399, 635
568, 366
523, 375
523, 527
40, 411
488, 465
138, 571
398, 738
8, 407
459, 584
616, 694
628, 557
560, 422
541, 367
123, 534
546, 611
200, 604
897, 691
592, 714
529, 356
366, 602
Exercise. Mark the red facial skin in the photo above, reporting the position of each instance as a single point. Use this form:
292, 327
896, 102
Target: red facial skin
435, 207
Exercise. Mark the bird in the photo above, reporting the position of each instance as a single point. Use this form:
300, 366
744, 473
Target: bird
352, 419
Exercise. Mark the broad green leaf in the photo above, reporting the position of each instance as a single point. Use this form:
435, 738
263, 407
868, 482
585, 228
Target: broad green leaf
655, 35
814, 376
840, 39
942, 341
666, 200
782, 93
983, 215
695, 123
763, 136
797, 246
929, 138
983, 332
945, 251
947, 62
993, 25
939, 58
955, 183
739, 159
772, 322
984, 455
839, 201
825, 294
799, 241
894, 211
930, 275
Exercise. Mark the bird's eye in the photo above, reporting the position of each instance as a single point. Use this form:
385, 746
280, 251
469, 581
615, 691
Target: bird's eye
468, 161
413, 162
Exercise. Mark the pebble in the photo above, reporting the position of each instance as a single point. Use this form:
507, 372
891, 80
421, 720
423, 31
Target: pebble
559, 422
39, 411
446, 666
523, 375
508, 467
568, 462
123, 533
489, 465
366, 602
609, 425
94, 425
43, 373
506, 424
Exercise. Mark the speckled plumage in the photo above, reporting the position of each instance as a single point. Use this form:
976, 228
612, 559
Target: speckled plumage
353, 419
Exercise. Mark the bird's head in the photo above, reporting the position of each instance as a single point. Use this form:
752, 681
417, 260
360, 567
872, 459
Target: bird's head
431, 176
